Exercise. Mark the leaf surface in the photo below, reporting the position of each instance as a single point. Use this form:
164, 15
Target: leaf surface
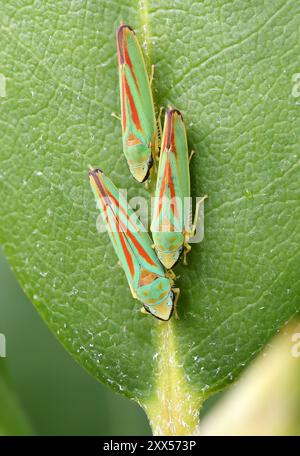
230, 67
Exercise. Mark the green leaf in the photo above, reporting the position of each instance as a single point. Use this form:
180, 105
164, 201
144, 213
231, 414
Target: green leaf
12, 418
231, 67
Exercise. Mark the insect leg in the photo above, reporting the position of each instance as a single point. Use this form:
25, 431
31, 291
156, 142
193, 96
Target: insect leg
191, 233
191, 155
151, 75
176, 291
113, 114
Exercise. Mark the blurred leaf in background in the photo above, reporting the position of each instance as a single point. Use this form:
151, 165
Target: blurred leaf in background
12, 418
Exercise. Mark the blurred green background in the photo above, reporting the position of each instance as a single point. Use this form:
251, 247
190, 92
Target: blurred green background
59, 397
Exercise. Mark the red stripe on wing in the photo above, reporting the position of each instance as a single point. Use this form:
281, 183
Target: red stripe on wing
172, 135
119, 231
134, 113
128, 61
167, 180
172, 190
161, 193
104, 195
140, 249
127, 253
134, 240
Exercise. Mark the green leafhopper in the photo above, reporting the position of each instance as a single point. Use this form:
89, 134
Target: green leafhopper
137, 109
172, 193
146, 277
